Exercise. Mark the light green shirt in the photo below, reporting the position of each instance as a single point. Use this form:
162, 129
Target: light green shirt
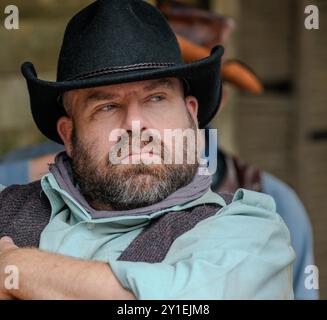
242, 252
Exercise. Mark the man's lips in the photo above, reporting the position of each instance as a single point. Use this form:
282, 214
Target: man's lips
140, 155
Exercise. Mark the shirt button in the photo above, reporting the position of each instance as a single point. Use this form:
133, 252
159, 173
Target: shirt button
90, 226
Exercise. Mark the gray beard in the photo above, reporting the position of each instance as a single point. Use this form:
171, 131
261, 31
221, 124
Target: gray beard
124, 187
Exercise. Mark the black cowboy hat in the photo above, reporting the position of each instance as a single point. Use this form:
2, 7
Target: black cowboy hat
118, 41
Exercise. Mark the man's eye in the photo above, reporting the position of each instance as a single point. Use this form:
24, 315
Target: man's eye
157, 98
107, 107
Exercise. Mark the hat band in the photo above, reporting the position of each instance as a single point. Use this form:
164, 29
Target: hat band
132, 67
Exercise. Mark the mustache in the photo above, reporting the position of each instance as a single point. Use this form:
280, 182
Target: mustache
128, 144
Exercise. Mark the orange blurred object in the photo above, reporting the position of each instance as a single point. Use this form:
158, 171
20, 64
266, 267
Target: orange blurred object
232, 71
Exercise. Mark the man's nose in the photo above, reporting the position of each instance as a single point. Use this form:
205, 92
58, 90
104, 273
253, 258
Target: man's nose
134, 117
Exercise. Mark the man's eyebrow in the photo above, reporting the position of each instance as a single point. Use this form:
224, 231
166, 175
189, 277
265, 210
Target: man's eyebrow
158, 83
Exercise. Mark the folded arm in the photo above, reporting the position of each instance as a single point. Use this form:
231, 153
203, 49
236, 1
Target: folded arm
45, 275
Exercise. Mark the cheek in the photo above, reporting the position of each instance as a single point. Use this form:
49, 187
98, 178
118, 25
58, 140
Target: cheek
174, 117
97, 140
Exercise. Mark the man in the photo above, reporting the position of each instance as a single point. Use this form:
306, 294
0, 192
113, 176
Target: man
123, 225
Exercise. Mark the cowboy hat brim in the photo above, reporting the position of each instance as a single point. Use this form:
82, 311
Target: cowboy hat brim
202, 75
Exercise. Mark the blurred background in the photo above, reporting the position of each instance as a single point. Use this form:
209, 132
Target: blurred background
282, 130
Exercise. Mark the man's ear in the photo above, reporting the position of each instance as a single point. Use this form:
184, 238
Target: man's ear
65, 129
192, 106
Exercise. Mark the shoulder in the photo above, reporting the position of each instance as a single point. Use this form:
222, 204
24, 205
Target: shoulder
25, 197
245, 241
254, 199
289, 206
248, 223
287, 201
278, 188
250, 204
24, 212
21, 190
254, 214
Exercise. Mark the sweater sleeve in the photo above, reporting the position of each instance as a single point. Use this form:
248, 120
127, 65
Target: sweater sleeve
242, 252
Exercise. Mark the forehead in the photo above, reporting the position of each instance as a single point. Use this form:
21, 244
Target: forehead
124, 88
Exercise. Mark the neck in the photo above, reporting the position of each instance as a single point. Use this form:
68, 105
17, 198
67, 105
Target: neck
97, 205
